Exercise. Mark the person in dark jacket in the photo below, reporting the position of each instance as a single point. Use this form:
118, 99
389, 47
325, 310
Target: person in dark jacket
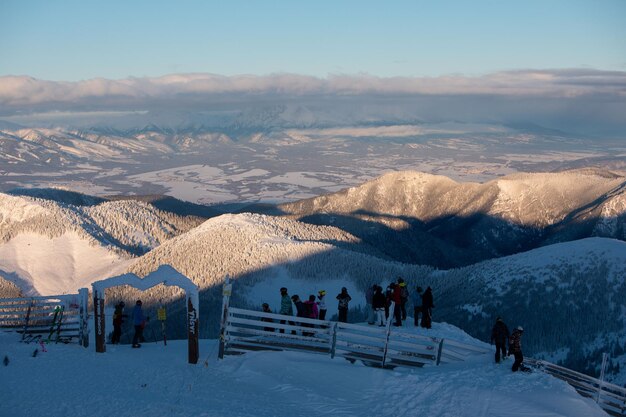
139, 321
404, 296
300, 309
515, 347
118, 319
342, 309
500, 336
267, 309
427, 308
378, 303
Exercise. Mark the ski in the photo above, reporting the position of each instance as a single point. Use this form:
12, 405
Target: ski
54, 321
30, 307
60, 320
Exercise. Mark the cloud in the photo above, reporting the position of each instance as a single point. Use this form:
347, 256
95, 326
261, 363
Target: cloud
24, 91
587, 101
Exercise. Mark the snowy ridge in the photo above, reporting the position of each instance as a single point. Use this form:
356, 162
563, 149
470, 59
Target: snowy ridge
52, 248
422, 218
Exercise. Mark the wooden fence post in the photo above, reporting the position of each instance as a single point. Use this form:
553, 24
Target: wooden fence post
604, 360
391, 311
226, 292
440, 350
333, 342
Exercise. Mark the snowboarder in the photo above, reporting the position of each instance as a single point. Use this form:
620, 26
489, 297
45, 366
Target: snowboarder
369, 296
321, 304
342, 309
416, 299
404, 296
500, 336
267, 309
515, 346
427, 308
378, 303
285, 307
139, 321
118, 319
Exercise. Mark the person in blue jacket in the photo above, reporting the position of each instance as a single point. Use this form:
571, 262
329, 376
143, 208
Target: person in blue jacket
139, 321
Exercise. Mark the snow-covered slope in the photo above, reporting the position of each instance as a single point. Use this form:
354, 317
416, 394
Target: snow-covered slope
423, 218
569, 297
156, 381
50, 248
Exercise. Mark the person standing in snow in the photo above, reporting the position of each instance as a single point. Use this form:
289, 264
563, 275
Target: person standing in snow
369, 296
118, 319
500, 336
139, 321
285, 307
515, 346
310, 312
266, 309
342, 309
416, 299
404, 296
321, 304
427, 308
378, 303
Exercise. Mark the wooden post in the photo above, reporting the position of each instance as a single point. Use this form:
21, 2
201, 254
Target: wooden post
439, 351
333, 347
98, 316
193, 328
388, 328
226, 292
83, 332
604, 360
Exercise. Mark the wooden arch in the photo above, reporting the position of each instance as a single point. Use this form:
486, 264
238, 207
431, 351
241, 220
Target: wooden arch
165, 275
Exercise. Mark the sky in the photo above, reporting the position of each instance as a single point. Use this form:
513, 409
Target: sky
81, 40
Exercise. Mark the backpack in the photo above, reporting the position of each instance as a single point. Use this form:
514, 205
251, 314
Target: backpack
404, 293
308, 309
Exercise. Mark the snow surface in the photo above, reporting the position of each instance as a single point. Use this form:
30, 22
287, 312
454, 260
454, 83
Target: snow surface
156, 380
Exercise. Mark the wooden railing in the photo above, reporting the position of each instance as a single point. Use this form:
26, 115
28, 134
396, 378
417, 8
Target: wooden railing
612, 398
386, 347
50, 318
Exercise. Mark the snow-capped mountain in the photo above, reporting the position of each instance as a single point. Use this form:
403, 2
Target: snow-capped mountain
430, 219
49, 247
569, 297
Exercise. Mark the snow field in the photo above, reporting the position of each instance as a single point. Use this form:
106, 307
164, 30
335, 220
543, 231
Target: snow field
156, 380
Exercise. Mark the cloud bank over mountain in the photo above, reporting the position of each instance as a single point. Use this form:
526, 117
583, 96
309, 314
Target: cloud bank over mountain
581, 100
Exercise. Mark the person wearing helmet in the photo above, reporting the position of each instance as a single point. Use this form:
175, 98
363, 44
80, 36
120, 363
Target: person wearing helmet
321, 304
118, 319
342, 309
515, 346
139, 321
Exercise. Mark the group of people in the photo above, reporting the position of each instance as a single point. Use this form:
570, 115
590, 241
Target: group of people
501, 337
139, 322
378, 304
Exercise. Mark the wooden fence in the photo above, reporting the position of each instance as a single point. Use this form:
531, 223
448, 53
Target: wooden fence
52, 318
612, 398
387, 346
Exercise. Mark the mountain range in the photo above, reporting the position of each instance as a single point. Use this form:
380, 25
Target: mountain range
543, 250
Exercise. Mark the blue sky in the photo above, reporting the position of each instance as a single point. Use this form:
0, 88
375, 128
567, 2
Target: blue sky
77, 40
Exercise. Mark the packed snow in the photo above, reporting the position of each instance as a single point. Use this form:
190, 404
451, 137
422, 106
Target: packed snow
156, 380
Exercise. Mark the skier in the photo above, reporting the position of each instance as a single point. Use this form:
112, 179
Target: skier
342, 309
300, 311
140, 322
500, 335
369, 296
310, 311
321, 304
404, 296
118, 319
378, 303
285, 307
515, 346
427, 308
416, 299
